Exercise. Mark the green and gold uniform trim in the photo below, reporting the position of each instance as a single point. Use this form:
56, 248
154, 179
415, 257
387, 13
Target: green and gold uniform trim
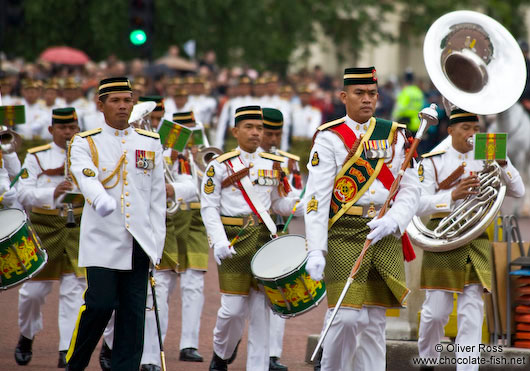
64, 115
24, 174
44, 147
210, 172
431, 154
421, 172
289, 155
358, 174
184, 117
253, 112
312, 205
88, 133
271, 156
147, 133
227, 156
270, 123
209, 186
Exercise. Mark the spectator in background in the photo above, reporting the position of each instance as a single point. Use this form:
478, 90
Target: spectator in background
385, 103
409, 102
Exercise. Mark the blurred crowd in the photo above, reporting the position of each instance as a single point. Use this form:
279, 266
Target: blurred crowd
307, 98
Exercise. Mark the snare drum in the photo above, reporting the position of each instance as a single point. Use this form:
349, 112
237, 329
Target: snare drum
21, 255
279, 267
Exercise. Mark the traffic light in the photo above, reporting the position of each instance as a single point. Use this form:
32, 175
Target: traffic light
141, 25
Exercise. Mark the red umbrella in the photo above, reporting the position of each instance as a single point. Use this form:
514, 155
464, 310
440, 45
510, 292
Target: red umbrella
64, 55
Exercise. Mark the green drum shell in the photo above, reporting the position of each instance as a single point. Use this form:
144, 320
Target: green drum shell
292, 293
21, 256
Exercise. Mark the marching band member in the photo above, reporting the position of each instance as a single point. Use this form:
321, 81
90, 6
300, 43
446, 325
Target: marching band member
238, 189
447, 177
192, 243
41, 189
36, 118
119, 171
344, 191
165, 277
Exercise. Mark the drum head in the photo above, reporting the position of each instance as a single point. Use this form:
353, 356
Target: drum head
10, 221
279, 256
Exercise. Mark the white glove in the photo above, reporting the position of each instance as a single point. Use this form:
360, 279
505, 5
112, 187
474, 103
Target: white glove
315, 264
10, 197
104, 204
222, 251
381, 228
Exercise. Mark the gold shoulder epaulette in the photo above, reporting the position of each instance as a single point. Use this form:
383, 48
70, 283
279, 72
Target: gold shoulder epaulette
89, 132
227, 156
272, 157
430, 154
289, 155
147, 133
401, 126
40, 148
330, 124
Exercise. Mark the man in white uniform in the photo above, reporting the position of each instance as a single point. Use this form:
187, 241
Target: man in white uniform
119, 171
447, 177
346, 188
41, 189
237, 190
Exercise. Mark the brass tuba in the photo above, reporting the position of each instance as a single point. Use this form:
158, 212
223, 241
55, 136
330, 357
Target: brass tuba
139, 118
10, 140
204, 155
477, 65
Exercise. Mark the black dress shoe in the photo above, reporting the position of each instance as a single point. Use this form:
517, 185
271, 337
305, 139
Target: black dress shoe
275, 365
23, 351
190, 355
218, 364
104, 357
62, 359
233, 356
150, 367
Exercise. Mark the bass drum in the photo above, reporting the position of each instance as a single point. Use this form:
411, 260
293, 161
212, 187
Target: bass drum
279, 268
21, 255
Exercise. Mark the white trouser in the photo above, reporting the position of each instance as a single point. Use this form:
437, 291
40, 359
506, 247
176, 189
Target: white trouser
230, 324
277, 329
165, 284
355, 340
435, 313
192, 296
31, 297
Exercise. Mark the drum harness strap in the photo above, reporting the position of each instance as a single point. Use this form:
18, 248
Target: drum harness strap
246, 188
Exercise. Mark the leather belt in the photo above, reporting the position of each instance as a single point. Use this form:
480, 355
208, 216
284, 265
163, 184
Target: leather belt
240, 220
189, 205
56, 212
369, 211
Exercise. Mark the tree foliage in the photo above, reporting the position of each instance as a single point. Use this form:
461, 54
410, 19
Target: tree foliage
260, 33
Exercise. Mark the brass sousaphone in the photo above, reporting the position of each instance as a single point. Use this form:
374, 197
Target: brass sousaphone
477, 65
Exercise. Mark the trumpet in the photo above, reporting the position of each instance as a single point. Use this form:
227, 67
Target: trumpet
140, 119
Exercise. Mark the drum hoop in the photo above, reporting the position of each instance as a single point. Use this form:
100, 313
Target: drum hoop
285, 274
25, 221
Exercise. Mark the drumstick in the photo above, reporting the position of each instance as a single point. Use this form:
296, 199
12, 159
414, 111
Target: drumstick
15, 179
293, 211
234, 240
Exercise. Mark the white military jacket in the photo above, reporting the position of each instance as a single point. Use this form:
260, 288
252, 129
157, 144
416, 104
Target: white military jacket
325, 161
34, 188
440, 201
37, 122
185, 188
306, 120
229, 201
139, 193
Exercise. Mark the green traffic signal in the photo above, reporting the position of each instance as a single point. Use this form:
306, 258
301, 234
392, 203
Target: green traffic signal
138, 37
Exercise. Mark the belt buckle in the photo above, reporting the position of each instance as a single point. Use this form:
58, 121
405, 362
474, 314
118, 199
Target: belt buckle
371, 211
